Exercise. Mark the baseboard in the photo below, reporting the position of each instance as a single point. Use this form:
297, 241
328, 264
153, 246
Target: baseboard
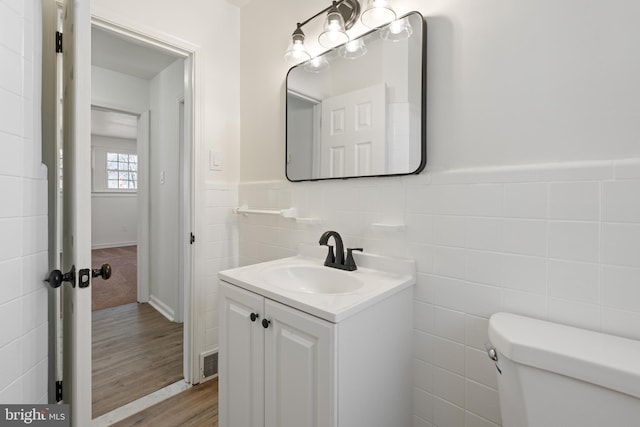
113, 245
162, 308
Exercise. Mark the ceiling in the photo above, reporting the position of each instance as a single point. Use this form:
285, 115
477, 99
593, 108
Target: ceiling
115, 53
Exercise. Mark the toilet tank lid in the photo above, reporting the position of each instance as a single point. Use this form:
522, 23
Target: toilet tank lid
605, 360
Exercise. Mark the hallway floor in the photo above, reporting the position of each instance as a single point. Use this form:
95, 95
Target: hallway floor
135, 352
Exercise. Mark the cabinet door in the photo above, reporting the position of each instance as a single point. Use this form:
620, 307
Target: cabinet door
241, 370
299, 369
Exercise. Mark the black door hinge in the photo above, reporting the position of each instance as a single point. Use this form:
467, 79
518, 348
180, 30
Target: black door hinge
58, 391
58, 42
192, 239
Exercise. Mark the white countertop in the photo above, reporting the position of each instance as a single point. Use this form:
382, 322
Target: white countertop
381, 276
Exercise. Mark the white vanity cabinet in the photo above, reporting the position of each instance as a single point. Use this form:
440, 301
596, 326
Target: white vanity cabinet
301, 370
275, 370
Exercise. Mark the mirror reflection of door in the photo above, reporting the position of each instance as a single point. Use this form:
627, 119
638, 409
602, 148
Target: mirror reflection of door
353, 133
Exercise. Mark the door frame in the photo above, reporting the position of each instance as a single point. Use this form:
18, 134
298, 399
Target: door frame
192, 127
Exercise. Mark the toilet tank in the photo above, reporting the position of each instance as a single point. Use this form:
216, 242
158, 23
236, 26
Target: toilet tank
556, 375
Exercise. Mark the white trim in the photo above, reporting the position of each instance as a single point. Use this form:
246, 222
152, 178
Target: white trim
139, 405
162, 308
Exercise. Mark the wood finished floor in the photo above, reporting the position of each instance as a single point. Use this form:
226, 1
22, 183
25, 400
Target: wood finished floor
135, 352
195, 407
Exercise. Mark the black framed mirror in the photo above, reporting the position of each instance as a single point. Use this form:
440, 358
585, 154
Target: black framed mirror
359, 110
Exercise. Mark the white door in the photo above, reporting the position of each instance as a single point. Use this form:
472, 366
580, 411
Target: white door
241, 373
76, 224
300, 380
353, 133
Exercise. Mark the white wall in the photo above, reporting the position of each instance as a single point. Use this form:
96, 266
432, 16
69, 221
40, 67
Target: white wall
529, 203
114, 214
167, 88
23, 214
118, 91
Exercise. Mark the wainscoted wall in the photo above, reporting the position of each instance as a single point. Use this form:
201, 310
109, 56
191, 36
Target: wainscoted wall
554, 241
23, 212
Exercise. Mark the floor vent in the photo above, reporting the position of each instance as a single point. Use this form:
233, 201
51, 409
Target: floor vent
210, 365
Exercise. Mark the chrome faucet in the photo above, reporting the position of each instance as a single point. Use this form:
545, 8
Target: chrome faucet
338, 260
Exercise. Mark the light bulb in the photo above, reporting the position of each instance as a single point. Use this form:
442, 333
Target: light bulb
377, 13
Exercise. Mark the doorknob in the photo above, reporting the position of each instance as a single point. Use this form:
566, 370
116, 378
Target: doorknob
104, 271
56, 277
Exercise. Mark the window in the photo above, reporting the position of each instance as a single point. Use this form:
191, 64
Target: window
122, 171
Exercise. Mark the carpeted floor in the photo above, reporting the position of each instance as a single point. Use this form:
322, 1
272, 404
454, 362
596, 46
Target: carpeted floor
121, 288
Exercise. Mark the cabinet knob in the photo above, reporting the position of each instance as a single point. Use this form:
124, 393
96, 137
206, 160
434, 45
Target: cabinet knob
254, 316
265, 323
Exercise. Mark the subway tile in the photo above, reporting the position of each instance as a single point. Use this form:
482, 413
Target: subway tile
485, 200
448, 386
621, 201
621, 323
11, 189
10, 150
524, 303
423, 316
574, 201
573, 281
573, 313
10, 28
9, 317
483, 401
11, 71
627, 169
10, 356
577, 241
473, 420
476, 331
524, 273
526, 237
449, 324
423, 375
449, 230
10, 285
448, 355
422, 346
449, 262
621, 244
485, 234
484, 267
11, 231
10, 112
420, 228
480, 368
446, 414
448, 293
527, 200
481, 300
621, 288
422, 404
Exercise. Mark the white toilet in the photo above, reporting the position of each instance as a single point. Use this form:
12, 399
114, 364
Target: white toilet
551, 375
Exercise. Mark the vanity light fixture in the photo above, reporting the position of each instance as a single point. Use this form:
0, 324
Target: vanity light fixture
377, 13
353, 49
341, 15
399, 29
296, 52
335, 32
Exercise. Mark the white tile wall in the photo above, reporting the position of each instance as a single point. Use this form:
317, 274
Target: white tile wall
557, 241
23, 215
220, 249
